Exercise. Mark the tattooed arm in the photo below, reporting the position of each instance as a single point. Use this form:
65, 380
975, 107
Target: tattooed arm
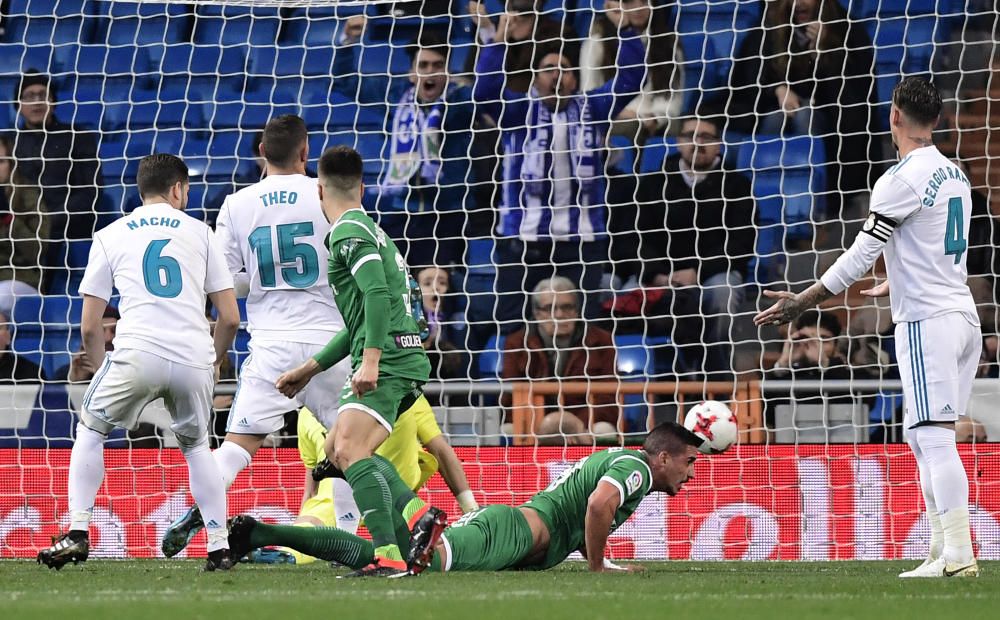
791, 305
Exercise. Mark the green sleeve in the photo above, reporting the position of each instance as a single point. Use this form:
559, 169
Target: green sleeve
334, 351
630, 476
370, 278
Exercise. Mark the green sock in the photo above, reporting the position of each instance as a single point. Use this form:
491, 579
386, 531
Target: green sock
374, 498
404, 499
436, 566
325, 543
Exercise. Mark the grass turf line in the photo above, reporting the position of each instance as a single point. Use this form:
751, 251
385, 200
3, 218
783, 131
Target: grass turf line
176, 589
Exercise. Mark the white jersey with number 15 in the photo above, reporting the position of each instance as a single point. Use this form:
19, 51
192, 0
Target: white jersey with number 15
276, 231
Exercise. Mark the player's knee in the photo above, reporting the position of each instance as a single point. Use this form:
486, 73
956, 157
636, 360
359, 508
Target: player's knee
934, 439
192, 445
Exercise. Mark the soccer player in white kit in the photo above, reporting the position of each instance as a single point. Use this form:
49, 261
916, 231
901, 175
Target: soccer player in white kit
163, 263
273, 237
919, 219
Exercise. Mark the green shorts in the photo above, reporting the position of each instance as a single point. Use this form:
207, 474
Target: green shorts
385, 403
490, 539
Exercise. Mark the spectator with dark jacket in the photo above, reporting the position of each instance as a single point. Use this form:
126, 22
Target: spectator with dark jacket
58, 158
558, 345
24, 227
13, 367
696, 229
809, 70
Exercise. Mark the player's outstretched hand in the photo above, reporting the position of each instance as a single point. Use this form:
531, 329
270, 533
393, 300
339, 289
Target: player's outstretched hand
780, 312
291, 383
365, 379
879, 290
610, 566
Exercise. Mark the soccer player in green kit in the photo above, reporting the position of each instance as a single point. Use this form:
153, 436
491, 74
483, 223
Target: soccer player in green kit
371, 289
577, 512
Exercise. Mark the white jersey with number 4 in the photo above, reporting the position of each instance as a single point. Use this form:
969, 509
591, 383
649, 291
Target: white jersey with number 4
163, 262
928, 204
275, 230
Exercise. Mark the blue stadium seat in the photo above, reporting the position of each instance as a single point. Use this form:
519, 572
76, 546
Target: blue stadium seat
383, 59
235, 25
788, 177
479, 256
711, 34
653, 153
491, 358
117, 198
235, 147
16, 58
27, 313
62, 311
111, 152
144, 23
48, 30
633, 359
316, 26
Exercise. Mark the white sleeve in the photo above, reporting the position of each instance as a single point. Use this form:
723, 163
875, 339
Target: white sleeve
217, 276
858, 259
893, 198
227, 238
98, 279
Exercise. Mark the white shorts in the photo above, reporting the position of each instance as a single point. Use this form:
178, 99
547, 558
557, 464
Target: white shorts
937, 359
130, 379
259, 408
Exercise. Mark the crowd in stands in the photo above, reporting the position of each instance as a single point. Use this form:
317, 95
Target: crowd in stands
508, 185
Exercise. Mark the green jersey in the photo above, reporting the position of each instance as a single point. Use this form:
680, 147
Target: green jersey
371, 288
563, 505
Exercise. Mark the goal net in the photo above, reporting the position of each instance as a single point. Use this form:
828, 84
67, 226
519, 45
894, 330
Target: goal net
593, 196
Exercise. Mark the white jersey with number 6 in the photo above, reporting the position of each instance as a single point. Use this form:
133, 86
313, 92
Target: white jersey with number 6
928, 203
163, 262
275, 230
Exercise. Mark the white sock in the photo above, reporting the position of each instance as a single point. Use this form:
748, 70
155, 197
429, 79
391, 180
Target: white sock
86, 472
951, 490
231, 459
936, 544
209, 493
957, 536
348, 513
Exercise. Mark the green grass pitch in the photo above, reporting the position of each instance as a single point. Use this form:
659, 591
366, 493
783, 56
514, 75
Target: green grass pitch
177, 590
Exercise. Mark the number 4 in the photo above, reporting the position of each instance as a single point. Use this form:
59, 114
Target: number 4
954, 233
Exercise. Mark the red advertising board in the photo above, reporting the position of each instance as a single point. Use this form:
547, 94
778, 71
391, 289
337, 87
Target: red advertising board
778, 502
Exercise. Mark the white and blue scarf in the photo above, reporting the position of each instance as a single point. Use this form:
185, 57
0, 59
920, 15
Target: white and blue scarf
584, 153
416, 144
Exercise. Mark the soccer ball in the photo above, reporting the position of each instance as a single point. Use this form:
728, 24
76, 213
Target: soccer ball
713, 422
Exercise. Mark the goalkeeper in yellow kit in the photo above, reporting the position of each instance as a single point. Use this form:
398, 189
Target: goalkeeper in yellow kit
414, 431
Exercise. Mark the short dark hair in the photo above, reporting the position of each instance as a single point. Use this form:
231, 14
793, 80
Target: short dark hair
282, 138
33, 77
825, 320
159, 172
432, 41
341, 168
918, 99
670, 437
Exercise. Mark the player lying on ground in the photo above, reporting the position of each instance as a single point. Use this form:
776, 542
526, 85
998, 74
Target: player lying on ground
415, 428
164, 263
577, 512
920, 210
370, 283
